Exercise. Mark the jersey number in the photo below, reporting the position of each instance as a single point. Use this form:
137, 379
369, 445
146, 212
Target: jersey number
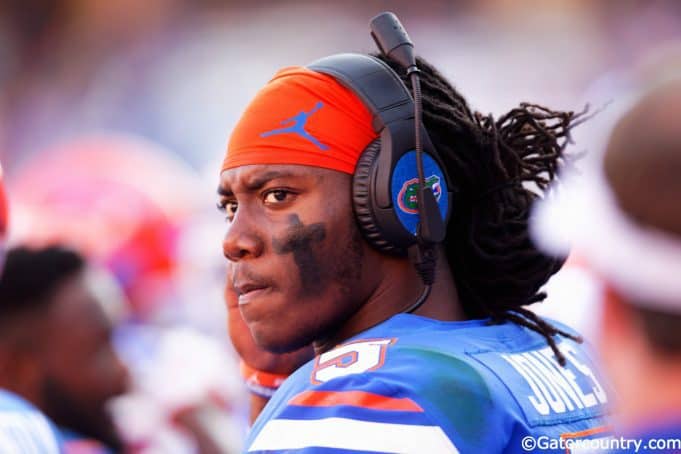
352, 358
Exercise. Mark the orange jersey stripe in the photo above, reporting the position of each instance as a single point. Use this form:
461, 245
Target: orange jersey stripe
586, 433
355, 399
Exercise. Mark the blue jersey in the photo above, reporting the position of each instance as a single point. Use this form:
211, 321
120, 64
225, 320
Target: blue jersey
24, 429
418, 385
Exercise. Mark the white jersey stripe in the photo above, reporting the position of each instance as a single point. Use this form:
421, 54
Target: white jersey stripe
350, 434
26, 433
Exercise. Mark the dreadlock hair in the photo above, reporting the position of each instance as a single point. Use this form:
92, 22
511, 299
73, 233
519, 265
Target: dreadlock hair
493, 163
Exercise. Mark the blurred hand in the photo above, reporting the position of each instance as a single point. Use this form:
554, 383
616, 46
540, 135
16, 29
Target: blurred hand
211, 428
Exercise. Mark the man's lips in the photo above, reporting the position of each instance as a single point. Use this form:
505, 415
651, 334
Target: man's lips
249, 290
248, 284
246, 288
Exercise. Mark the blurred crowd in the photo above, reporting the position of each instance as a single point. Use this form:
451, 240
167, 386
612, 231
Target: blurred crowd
179, 72
113, 120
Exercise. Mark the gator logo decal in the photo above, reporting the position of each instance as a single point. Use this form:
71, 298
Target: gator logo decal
407, 199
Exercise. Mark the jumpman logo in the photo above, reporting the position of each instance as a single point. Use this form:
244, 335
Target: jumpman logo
298, 127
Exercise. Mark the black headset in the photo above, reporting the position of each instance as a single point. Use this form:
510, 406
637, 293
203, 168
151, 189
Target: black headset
401, 196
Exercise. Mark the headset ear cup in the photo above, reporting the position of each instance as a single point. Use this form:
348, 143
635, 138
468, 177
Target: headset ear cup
362, 203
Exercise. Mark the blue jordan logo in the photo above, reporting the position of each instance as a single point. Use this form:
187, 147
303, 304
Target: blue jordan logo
298, 127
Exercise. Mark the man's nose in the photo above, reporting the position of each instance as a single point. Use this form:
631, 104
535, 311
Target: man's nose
242, 240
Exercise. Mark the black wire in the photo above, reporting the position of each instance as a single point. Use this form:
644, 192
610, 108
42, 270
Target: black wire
425, 265
421, 299
416, 87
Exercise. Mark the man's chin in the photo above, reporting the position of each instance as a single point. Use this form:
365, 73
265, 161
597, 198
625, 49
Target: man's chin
279, 347
280, 344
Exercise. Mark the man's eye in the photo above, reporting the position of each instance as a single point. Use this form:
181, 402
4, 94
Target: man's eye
229, 208
277, 196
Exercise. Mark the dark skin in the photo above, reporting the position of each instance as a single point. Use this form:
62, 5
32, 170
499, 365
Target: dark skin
283, 221
70, 370
301, 240
20, 371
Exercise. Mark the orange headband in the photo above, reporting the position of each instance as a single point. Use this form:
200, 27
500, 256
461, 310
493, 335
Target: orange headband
301, 117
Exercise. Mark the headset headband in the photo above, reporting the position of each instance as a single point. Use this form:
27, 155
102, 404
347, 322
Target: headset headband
374, 82
391, 105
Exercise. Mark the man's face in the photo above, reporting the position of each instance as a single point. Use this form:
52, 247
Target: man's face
82, 371
298, 261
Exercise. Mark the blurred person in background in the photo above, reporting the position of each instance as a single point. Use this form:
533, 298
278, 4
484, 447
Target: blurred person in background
23, 428
623, 217
141, 217
169, 322
55, 345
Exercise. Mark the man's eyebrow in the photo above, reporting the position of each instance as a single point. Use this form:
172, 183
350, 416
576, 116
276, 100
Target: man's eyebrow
224, 192
258, 181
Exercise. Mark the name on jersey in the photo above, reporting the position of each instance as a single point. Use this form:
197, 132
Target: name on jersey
556, 389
